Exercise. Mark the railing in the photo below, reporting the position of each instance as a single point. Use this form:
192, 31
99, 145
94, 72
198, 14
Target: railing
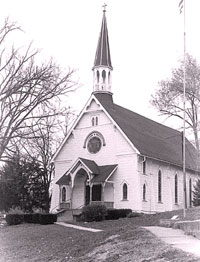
64, 205
67, 205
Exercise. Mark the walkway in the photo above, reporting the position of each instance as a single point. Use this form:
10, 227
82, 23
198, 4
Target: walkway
177, 238
78, 227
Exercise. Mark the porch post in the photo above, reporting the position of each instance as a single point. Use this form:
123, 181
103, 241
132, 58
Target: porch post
60, 191
91, 185
102, 196
71, 196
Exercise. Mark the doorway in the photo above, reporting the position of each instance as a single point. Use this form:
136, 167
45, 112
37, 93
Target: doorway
96, 193
87, 195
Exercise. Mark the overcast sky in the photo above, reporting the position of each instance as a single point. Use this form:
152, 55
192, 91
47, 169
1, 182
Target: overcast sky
146, 40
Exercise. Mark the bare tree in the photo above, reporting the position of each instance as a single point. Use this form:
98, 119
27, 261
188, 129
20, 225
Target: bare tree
41, 145
43, 138
169, 97
25, 90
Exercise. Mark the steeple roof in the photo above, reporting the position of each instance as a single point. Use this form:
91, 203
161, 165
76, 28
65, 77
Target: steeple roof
102, 57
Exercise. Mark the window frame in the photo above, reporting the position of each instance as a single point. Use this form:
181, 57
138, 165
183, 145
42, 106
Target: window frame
95, 120
125, 192
176, 189
190, 192
144, 191
159, 186
63, 199
93, 134
144, 167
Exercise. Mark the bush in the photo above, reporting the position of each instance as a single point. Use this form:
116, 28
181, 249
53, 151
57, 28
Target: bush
32, 218
113, 214
15, 210
36, 218
45, 219
14, 219
94, 213
28, 218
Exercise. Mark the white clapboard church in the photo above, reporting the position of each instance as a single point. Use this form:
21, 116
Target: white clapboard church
117, 157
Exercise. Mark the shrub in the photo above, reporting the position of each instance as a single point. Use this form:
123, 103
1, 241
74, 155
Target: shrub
113, 214
94, 213
28, 218
38, 210
46, 219
15, 210
32, 218
36, 218
14, 219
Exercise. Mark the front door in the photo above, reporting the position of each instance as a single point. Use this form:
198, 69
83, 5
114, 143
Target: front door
96, 193
87, 195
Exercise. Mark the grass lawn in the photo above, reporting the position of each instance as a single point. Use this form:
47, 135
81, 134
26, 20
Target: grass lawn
121, 240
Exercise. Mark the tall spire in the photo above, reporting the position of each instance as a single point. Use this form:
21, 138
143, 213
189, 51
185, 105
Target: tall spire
102, 63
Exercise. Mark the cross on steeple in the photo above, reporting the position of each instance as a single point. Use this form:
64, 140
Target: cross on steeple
104, 7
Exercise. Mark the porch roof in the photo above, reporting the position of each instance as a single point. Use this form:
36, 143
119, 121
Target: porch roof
104, 173
101, 173
64, 180
91, 165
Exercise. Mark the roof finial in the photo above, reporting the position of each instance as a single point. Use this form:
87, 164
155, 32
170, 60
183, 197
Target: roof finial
104, 7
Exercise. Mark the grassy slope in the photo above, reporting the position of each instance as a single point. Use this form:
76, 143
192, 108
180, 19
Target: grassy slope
121, 241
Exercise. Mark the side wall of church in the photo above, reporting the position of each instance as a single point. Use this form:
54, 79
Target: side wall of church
127, 175
151, 202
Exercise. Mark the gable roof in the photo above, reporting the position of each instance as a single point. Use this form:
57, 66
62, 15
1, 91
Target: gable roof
64, 180
101, 173
152, 139
104, 173
93, 167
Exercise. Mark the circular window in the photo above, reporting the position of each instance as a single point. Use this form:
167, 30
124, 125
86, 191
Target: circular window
94, 145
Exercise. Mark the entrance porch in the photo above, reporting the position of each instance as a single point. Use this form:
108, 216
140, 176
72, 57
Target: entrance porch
86, 183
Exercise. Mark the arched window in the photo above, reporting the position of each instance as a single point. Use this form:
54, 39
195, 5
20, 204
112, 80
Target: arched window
97, 76
144, 167
94, 134
176, 188
104, 76
63, 194
190, 192
109, 77
144, 192
125, 191
159, 186
93, 121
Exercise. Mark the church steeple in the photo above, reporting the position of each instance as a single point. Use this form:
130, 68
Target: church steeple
102, 69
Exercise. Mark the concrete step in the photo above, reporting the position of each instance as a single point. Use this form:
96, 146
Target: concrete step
67, 215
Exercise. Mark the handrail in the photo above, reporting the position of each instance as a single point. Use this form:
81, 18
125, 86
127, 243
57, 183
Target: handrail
77, 208
68, 200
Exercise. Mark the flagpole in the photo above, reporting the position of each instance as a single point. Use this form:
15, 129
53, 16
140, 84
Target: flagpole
184, 101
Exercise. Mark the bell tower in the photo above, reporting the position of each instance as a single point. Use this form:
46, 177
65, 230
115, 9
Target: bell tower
102, 69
